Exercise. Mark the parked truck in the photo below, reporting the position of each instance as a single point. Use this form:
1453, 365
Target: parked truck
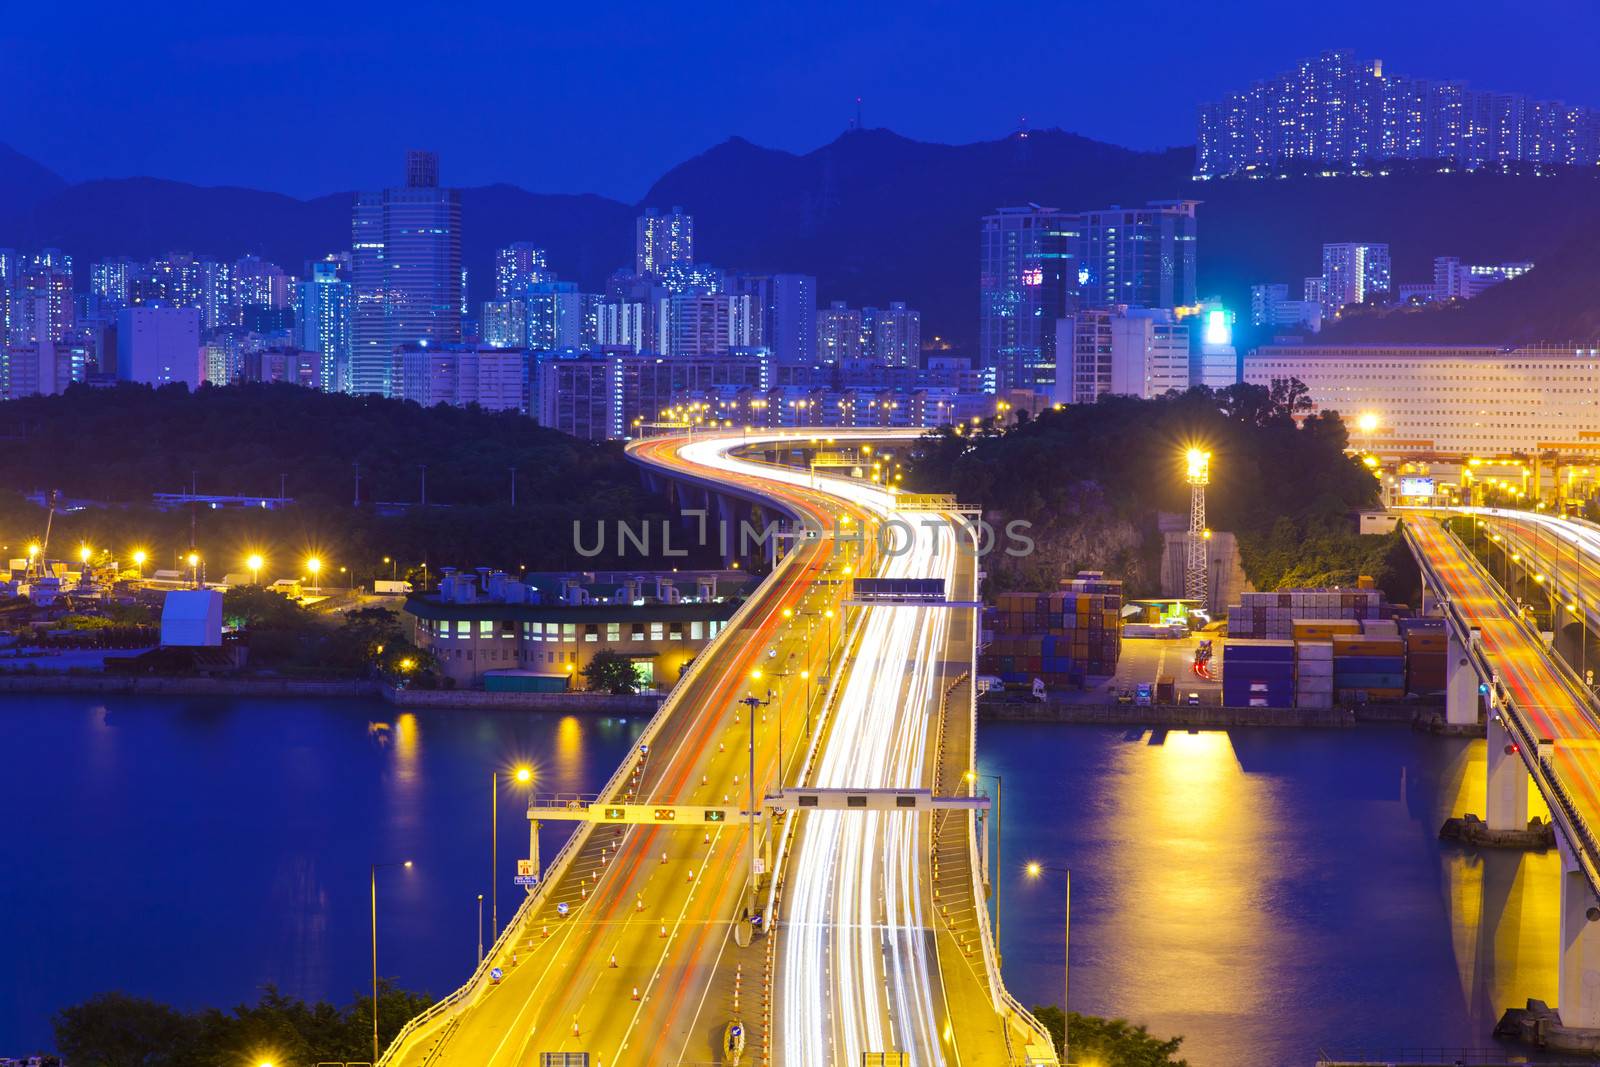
1166, 690
386, 587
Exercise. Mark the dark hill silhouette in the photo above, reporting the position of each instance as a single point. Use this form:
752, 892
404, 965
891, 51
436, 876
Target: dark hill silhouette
877, 216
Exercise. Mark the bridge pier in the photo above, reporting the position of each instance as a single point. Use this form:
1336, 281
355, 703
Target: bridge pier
1461, 687
1578, 983
1506, 780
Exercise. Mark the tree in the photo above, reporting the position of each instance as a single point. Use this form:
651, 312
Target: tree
116, 1030
611, 672
1112, 1042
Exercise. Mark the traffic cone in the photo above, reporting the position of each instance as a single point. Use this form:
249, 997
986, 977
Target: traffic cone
613, 959
690, 878
638, 903
635, 992
708, 837
663, 929
663, 857
545, 932
575, 1026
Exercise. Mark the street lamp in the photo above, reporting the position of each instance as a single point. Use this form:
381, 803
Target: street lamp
138, 560
314, 565
1035, 871
193, 559
254, 563
522, 775
84, 554
406, 864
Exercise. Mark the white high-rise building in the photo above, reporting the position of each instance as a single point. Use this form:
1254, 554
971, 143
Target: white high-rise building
159, 346
1142, 352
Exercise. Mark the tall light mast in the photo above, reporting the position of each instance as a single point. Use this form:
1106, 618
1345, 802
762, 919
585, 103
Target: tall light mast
1194, 571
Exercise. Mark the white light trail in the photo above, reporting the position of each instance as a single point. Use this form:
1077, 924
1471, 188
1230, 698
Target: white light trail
861, 937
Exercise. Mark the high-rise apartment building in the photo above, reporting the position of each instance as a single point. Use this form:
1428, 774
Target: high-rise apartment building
405, 271
41, 305
326, 324
709, 324
1353, 273
663, 242
1337, 111
839, 333
504, 323
897, 335
518, 266
791, 326
1270, 306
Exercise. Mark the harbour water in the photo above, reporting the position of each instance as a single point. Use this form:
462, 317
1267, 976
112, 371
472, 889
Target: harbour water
1265, 893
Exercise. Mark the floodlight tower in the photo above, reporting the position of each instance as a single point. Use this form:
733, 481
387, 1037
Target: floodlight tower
1194, 571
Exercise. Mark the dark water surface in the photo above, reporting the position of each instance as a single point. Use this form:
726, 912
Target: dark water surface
1268, 894
1265, 893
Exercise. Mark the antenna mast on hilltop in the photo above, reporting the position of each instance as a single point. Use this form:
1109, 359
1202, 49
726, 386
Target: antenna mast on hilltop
1194, 572
858, 125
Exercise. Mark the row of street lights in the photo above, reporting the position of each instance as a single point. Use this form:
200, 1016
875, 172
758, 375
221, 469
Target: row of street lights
522, 775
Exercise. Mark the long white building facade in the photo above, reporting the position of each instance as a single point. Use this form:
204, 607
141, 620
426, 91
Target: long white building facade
1416, 400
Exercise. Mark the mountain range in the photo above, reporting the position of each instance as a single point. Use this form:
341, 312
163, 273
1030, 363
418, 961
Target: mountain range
879, 217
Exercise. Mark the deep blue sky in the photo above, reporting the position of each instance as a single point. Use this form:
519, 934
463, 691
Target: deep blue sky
603, 97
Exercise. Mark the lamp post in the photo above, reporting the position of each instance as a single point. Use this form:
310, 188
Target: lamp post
314, 565
522, 776
375, 868
254, 563
1035, 871
480, 927
193, 560
752, 702
138, 560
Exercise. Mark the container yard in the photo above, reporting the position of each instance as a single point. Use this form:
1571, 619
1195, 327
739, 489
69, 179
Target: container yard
1062, 638
1340, 660
1273, 615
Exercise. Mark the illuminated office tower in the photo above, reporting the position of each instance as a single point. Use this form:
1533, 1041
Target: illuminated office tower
405, 271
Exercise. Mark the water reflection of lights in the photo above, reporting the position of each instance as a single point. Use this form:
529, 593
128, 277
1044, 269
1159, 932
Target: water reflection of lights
1193, 833
569, 749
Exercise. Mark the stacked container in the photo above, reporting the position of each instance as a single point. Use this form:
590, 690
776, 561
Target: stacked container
1273, 615
1258, 673
1313, 674
1371, 665
1427, 647
1061, 638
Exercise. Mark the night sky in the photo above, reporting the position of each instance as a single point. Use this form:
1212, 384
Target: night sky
603, 97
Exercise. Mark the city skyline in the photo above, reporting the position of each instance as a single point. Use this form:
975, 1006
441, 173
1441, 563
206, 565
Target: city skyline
321, 79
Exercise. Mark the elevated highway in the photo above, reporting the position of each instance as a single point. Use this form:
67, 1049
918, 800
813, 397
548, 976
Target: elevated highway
645, 940
1542, 727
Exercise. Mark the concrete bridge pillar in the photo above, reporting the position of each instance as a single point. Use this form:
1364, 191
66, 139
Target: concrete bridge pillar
1578, 985
1461, 686
1507, 780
